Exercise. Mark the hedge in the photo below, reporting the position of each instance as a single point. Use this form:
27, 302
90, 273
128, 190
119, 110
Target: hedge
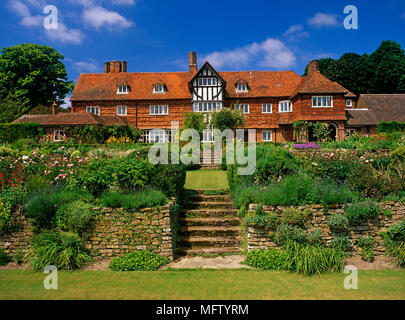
11, 132
390, 127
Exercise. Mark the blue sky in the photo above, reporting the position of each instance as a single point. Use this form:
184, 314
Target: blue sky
156, 35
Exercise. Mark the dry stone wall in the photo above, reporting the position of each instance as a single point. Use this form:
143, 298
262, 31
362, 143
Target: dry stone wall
260, 238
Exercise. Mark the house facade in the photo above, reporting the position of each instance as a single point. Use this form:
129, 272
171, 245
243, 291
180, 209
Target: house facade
271, 100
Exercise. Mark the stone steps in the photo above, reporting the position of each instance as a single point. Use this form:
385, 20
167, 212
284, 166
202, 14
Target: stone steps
213, 198
202, 251
209, 231
208, 242
201, 213
218, 221
207, 205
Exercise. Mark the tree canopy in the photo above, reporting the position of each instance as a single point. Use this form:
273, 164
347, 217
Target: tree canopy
381, 72
31, 75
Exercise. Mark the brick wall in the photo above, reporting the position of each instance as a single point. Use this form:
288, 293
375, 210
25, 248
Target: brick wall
259, 238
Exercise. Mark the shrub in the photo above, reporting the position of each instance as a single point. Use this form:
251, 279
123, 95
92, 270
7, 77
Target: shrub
7, 151
18, 257
63, 250
394, 239
366, 244
295, 217
308, 259
142, 260
74, 216
398, 154
341, 242
315, 238
10, 132
138, 200
361, 211
287, 233
338, 223
4, 258
270, 259
389, 127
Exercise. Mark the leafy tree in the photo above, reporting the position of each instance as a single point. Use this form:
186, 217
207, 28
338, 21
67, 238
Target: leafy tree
195, 121
7, 109
227, 119
31, 75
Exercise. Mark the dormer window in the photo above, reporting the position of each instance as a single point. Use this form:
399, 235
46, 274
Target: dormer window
123, 89
322, 102
241, 87
159, 88
349, 103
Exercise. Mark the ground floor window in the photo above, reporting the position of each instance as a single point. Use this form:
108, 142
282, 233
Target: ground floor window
156, 136
58, 135
267, 136
122, 110
208, 135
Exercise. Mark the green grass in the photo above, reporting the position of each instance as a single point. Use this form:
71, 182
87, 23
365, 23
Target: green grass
201, 284
206, 180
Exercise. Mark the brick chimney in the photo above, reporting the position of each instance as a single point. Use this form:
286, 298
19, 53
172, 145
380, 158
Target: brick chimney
115, 66
54, 108
192, 56
313, 66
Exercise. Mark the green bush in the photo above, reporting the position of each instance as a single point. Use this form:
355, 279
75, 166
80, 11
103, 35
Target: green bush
7, 151
11, 132
138, 200
295, 217
398, 155
338, 223
4, 258
390, 127
394, 239
308, 259
270, 259
142, 260
315, 238
366, 244
287, 233
74, 216
361, 211
63, 250
341, 242
18, 257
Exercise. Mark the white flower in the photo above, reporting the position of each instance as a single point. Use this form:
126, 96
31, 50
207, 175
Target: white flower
25, 157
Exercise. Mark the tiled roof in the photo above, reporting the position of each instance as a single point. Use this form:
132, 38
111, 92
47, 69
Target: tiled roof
317, 83
68, 119
103, 86
374, 108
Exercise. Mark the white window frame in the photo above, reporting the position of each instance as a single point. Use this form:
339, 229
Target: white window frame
320, 101
158, 136
96, 110
207, 81
242, 87
121, 90
159, 110
265, 136
349, 103
281, 105
160, 87
244, 107
57, 134
208, 135
207, 106
120, 108
265, 108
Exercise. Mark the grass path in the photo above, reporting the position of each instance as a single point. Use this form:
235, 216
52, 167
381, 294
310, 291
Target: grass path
201, 284
206, 180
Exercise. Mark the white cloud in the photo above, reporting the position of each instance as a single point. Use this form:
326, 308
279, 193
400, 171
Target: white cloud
124, 2
19, 8
295, 33
65, 35
324, 20
32, 21
85, 66
271, 53
98, 17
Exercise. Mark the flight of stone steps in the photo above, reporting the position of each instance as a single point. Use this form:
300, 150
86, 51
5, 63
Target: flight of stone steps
214, 159
208, 225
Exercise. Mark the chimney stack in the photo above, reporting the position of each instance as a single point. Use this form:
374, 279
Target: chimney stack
115, 66
313, 66
54, 108
192, 56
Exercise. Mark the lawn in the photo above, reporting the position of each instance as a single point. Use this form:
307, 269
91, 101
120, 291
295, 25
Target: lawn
206, 180
201, 284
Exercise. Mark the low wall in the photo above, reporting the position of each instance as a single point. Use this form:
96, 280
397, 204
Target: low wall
112, 232
259, 238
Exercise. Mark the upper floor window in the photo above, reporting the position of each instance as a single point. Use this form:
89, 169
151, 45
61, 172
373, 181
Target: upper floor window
267, 136
207, 82
285, 106
158, 88
241, 87
207, 106
349, 103
243, 107
93, 110
159, 110
322, 102
122, 110
267, 108
122, 89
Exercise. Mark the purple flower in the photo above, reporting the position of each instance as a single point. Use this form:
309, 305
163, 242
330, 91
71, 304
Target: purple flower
309, 145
